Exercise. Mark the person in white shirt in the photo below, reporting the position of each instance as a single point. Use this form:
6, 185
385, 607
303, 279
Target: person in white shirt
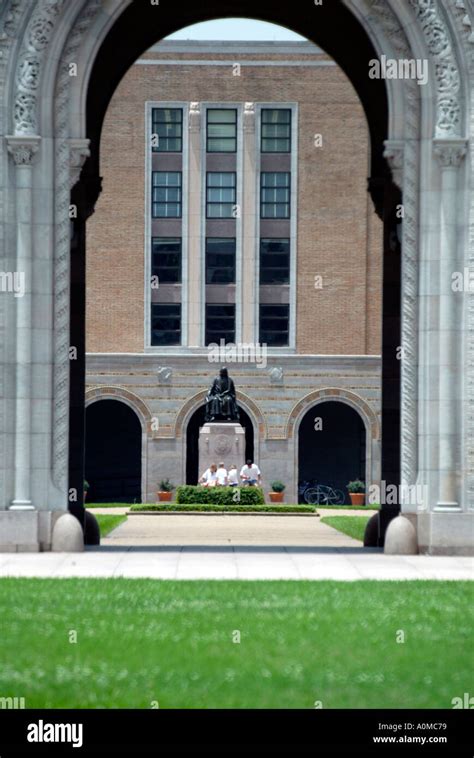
232, 476
250, 475
221, 475
209, 478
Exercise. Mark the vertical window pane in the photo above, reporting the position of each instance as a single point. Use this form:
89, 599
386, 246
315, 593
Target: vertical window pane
221, 194
275, 194
167, 130
220, 260
165, 324
166, 259
220, 324
166, 194
221, 130
274, 325
276, 130
274, 261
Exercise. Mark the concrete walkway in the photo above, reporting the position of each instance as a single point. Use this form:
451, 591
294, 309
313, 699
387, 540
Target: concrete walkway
235, 562
224, 529
232, 547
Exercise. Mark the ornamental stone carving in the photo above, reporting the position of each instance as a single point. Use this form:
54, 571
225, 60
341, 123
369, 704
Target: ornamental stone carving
35, 43
78, 151
249, 117
450, 154
448, 80
23, 149
195, 117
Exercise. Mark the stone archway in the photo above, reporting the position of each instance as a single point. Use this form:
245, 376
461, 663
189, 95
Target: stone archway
360, 406
44, 121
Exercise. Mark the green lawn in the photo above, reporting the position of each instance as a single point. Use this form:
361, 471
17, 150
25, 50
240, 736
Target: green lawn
108, 523
353, 526
145, 641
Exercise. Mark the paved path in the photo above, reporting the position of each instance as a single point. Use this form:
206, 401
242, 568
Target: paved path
235, 562
208, 529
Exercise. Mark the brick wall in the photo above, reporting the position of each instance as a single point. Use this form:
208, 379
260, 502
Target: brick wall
339, 236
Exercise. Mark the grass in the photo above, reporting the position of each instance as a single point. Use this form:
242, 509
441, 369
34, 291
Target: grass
353, 526
140, 641
108, 523
200, 508
349, 507
107, 505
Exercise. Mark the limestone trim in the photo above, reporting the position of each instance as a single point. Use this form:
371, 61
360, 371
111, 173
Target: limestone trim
329, 395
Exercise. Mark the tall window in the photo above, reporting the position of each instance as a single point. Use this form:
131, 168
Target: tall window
276, 130
221, 130
221, 194
166, 194
167, 130
274, 325
166, 324
220, 260
274, 261
220, 324
166, 259
275, 194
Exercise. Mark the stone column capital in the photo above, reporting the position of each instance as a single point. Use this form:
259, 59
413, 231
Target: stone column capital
450, 152
395, 154
195, 117
249, 117
23, 149
79, 151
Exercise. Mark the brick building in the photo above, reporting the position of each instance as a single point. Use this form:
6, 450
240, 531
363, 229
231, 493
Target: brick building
234, 212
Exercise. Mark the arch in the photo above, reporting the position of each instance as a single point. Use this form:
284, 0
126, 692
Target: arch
48, 124
356, 402
196, 401
114, 450
94, 394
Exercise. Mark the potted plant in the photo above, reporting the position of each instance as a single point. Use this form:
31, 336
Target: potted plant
276, 495
86, 489
166, 491
356, 491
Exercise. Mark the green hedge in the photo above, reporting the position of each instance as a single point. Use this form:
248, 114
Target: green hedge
203, 508
219, 496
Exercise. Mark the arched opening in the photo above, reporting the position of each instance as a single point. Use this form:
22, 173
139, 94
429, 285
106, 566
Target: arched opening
134, 31
192, 437
332, 446
113, 457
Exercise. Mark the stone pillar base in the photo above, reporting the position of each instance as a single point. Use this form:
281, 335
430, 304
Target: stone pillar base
27, 531
220, 441
445, 533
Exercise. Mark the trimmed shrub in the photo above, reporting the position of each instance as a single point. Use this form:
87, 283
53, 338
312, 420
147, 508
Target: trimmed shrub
206, 508
219, 496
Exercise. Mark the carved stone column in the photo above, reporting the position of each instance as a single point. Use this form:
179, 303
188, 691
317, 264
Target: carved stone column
23, 150
450, 154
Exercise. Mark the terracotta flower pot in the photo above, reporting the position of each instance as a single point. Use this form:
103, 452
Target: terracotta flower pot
357, 498
165, 497
276, 497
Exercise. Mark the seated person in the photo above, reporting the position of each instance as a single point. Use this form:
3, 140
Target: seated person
250, 475
209, 478
221, 475
232, 476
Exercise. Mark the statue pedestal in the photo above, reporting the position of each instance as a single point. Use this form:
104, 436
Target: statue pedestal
220, 441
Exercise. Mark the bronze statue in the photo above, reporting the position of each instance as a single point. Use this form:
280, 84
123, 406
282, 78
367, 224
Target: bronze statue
221, 403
